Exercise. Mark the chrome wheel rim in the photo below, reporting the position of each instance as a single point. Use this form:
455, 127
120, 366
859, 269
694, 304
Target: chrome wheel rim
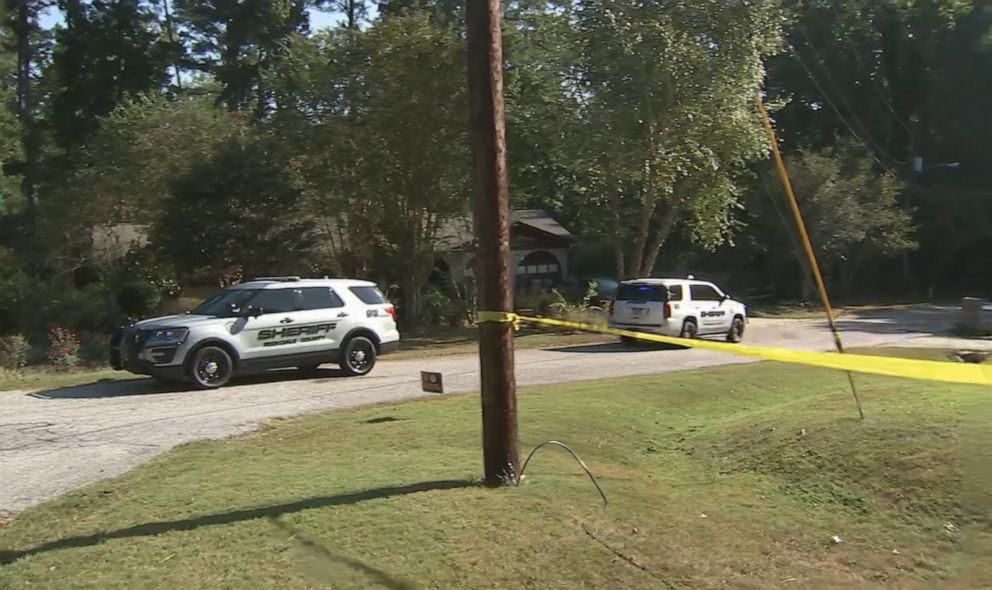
360, 356
211, 369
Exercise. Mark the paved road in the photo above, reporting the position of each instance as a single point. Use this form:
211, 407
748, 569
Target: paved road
54, 441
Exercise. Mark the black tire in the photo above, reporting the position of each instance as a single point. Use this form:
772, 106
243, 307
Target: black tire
736, 333
358, 356
690, 329
210, 367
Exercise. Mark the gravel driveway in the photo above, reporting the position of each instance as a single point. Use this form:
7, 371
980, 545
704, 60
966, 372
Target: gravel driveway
54, 441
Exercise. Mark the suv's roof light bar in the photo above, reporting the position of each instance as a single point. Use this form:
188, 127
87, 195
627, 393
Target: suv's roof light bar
278, 279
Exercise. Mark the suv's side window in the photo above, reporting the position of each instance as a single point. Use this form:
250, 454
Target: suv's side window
320, 298
704, 293
675, 293
274, 301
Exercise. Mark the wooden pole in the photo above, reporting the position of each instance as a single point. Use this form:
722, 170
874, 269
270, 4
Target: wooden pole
807, 243
492, 231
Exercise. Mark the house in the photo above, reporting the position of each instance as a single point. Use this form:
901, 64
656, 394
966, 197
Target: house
539, 247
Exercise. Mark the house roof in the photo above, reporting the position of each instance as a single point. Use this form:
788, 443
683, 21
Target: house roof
457, 232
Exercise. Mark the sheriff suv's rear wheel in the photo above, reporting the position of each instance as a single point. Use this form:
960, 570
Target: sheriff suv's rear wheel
358, 356
210, 367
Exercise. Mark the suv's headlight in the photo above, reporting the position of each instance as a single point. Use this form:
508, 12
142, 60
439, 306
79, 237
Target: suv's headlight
167, 336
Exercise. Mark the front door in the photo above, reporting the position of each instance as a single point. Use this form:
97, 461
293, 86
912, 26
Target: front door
271, 333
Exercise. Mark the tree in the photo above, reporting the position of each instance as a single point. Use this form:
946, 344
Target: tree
28, 41
445, 13
667, 123
383, 115
542, 107
10, 133
124, 171
246, 187
851, 211
108, 51
236, 41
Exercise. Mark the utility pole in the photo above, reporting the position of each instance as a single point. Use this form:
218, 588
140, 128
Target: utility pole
491, 204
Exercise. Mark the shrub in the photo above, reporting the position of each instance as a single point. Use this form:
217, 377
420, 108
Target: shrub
94, 348
63, 348
14, 351
138, 298
436, 307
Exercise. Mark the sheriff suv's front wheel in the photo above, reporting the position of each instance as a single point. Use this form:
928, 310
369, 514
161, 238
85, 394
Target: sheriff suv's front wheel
210, 367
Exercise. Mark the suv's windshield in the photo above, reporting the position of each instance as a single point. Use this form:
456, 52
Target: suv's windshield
642, 292
226, 304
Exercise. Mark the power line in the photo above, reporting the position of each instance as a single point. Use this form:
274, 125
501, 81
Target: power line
840, 92
840, 115
826, 71
878, 90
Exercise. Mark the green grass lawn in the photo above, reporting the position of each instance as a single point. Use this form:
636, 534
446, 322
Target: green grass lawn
735, 477
418, 344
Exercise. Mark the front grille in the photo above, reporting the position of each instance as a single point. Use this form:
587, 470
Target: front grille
132, 342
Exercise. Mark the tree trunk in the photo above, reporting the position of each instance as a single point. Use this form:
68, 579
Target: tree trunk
170, 31
667, 225
643, 229
411, 298
25, 105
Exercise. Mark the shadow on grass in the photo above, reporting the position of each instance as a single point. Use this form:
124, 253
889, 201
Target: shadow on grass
319, 552
148, 386
234, 516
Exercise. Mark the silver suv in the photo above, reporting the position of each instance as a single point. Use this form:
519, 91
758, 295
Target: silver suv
266, 323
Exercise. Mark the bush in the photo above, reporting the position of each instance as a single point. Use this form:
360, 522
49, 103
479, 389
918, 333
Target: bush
138, 298
63, 348
94, 348
14, 351
436, 307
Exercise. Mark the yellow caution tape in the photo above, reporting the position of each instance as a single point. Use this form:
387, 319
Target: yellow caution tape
972, 374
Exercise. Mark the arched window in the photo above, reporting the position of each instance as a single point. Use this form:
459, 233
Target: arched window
539, 265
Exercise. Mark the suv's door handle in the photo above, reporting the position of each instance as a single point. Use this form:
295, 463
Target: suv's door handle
286, 321
343, 314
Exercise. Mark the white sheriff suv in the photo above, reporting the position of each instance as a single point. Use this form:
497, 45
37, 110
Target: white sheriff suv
684, 308
266, 323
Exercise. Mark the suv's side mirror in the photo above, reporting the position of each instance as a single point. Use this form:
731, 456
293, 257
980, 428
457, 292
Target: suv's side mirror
249, 311
725, 297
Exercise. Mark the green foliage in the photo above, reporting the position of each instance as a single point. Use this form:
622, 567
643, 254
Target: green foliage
13, 289
94, 349
236, 41
10, 131
14, 351
126, 168
851, 211
386, 155
237, 213
666, 93
145, 265
63, 348
106, 52
137, 299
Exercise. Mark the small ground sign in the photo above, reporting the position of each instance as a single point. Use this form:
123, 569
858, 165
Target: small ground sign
431, 382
